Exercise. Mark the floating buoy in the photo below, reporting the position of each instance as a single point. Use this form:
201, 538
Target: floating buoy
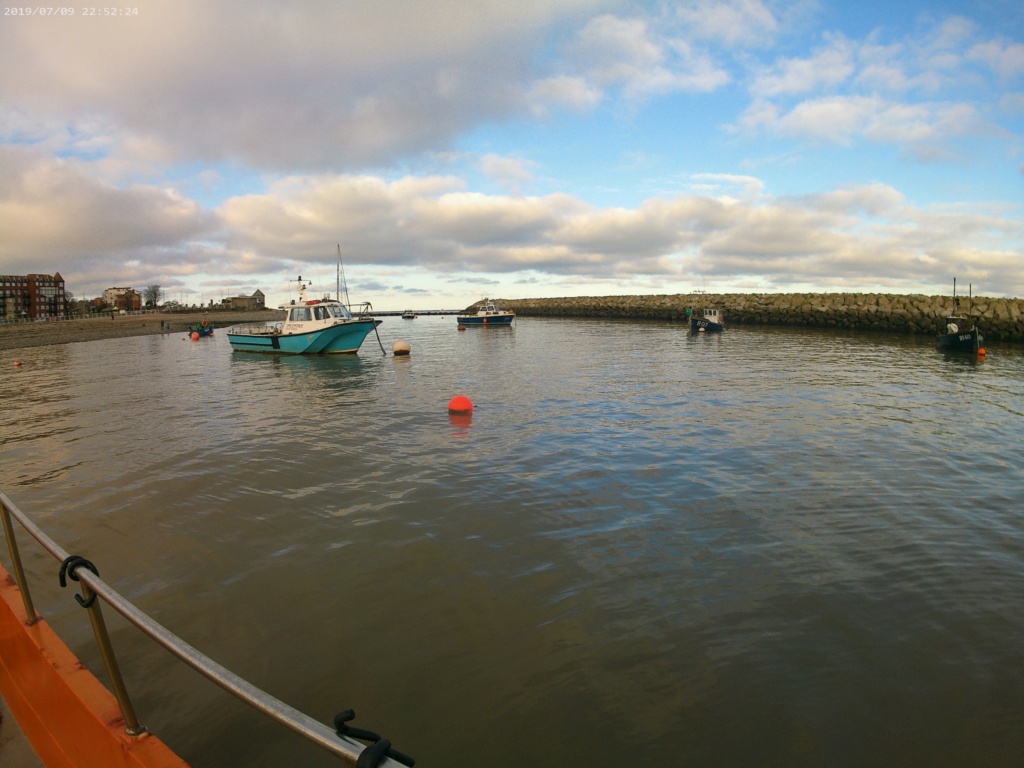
981, 351
400, 348
462, 327
460, 404
195, 335
17, 363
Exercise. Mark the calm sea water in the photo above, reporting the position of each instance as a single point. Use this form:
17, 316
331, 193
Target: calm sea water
765, 548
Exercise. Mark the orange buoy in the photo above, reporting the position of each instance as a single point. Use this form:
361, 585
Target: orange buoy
460, 404
981, 351
17, 363
195, 335
462, 327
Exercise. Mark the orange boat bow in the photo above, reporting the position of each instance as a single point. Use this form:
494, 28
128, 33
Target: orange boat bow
68, 716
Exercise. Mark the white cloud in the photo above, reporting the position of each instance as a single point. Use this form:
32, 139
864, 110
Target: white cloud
734, 23
631, 54
511, 173
573, 93
826, 69
1007, 59
311, 84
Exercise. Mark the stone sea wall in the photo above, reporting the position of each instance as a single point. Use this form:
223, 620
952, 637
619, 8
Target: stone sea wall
998, 319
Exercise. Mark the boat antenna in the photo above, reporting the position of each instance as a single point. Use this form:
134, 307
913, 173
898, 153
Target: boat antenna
342, 283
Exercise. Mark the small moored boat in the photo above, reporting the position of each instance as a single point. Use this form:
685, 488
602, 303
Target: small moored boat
205, 328
408, 315
487, 313
958, 332
311, 327
707, 321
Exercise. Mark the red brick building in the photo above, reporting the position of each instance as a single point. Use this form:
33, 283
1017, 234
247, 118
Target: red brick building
32, 297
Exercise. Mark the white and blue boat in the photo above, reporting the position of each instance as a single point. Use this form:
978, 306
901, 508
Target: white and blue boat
311, 327
709, 321
487, 313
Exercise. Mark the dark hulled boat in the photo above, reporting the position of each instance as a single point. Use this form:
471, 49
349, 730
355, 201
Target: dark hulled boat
959, 332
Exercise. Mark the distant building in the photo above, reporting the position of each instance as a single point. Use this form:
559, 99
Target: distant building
130, 301
32, 297
127, 299
111, 295
246, 303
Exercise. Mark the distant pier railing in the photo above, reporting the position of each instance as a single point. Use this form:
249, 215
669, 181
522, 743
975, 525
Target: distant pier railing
400, 312
92, 586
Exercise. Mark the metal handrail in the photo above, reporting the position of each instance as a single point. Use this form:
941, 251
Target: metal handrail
291, 718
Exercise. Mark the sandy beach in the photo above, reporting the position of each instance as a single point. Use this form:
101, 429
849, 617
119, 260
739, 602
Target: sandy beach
18, 335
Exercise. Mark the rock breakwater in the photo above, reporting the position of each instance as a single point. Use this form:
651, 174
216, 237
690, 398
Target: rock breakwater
998, 319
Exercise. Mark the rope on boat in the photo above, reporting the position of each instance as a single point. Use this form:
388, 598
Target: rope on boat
67, 568
378, 339
371, 756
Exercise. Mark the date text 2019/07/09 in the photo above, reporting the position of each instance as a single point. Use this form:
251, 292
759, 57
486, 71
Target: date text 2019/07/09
67, 10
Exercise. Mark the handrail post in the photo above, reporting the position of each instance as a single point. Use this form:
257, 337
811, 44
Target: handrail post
19, 571
99, 628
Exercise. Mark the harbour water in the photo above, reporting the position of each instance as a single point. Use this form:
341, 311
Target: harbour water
768, 547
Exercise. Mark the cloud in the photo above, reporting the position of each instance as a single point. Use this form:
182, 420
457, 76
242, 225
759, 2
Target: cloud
510, 173
826, 69
734, 23
1007, 59
56, 212
313, 84
628, 53
569, 92
147, 234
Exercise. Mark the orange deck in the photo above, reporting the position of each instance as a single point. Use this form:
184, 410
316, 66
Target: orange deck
70, 719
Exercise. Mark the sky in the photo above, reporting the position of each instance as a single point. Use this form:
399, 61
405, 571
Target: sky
454, 150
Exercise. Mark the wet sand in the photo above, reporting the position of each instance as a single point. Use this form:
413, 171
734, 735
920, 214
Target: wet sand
18, 335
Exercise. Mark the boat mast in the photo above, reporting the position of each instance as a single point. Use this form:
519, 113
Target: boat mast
341, 282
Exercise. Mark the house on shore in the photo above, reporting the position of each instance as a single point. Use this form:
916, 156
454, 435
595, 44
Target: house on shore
246, 303
32, 297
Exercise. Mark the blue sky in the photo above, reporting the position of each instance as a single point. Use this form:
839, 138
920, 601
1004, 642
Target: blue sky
457, 150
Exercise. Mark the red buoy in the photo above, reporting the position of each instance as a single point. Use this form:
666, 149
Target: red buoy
195, 335
460, 404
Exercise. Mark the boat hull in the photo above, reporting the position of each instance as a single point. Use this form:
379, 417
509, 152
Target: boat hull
341, 339
489, 320
700, 324
68, 717
967, 341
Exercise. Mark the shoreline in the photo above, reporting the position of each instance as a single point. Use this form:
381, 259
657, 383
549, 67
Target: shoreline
999, 319
22, 335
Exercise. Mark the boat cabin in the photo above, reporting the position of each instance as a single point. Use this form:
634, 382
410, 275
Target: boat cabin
317, 311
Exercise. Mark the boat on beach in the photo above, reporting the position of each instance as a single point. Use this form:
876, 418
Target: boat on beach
959, 332
323, 326
487, 313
